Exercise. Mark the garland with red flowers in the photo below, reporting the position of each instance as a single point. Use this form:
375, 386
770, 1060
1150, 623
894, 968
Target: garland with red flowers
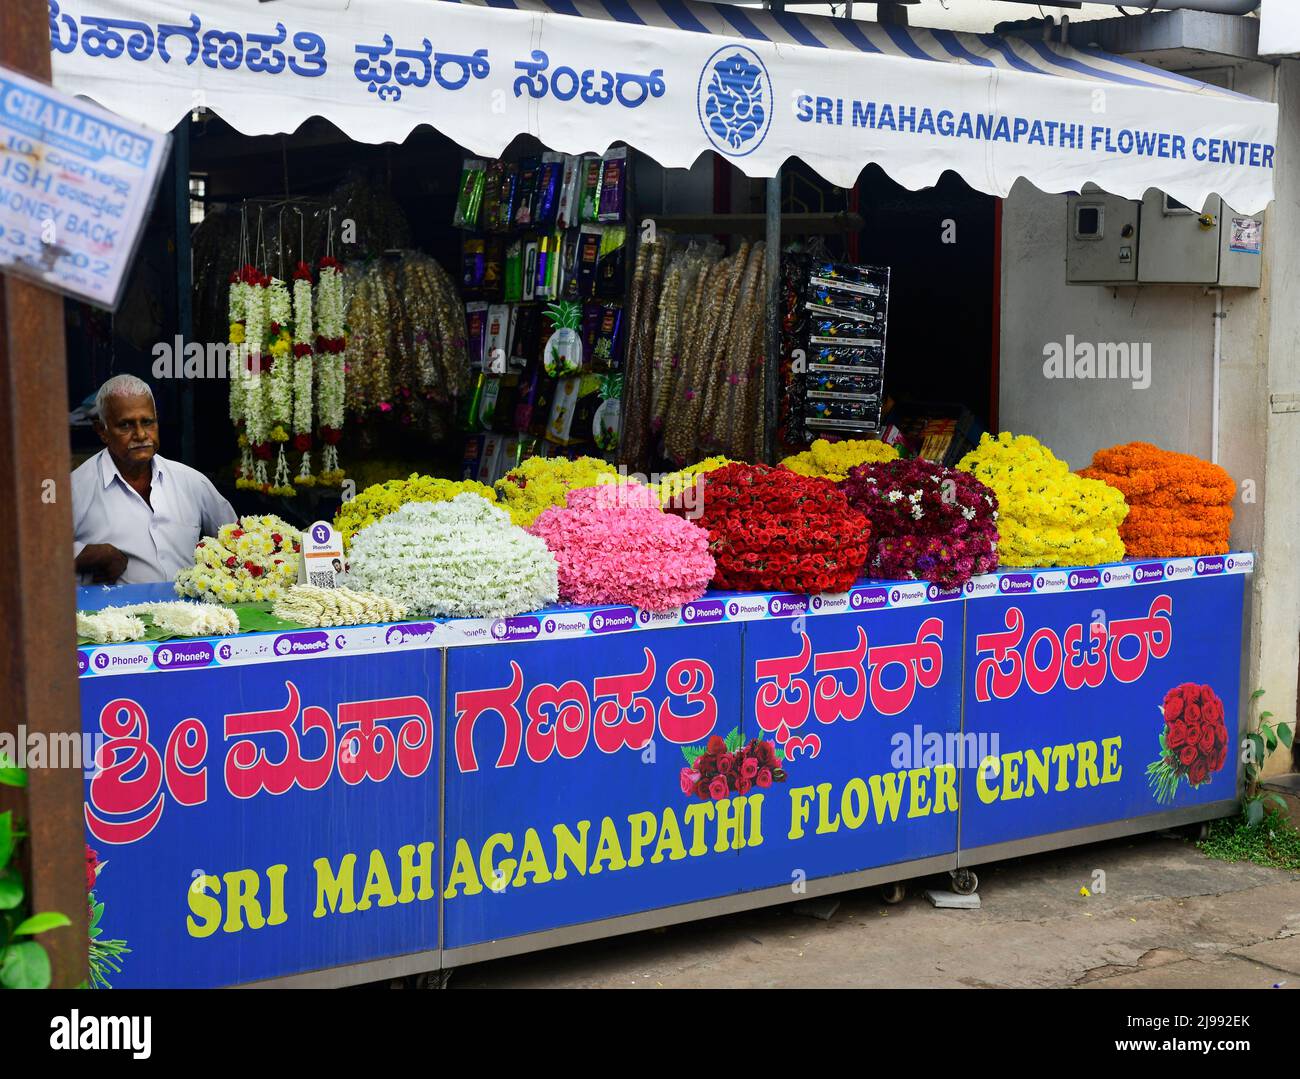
771, 529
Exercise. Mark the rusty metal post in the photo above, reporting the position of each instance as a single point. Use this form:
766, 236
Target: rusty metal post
38, 684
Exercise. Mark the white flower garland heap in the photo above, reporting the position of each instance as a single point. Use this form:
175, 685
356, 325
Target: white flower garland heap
178, 619
461, 558
110, 626
330, 343
251, 561
312, 606
302, 371
256, 426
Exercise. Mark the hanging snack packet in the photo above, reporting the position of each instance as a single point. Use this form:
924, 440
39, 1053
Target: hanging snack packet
475, 333
546, 204
570, 202
513, 288
607, 355
509, 197
491, 215
591, 177
611, 269
529, 167
589, 240
469, 197
473, 264
613, 186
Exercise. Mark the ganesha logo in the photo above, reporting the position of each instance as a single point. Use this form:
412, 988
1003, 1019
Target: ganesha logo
734, 99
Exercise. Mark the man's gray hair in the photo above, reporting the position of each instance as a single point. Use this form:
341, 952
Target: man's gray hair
120, 386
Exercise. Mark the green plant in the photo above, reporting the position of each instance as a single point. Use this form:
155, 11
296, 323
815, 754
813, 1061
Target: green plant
1259, 746
1272, 841
24, 963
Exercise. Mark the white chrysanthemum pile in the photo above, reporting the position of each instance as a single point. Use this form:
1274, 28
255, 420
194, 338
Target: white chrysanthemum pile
311, 606
461, 558
112, 625
115, 624
254, 560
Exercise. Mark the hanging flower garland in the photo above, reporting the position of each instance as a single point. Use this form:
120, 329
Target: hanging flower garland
253, 471
331, 340
278, 350
302, 371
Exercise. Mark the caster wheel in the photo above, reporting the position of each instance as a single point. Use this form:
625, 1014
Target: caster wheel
964, 881
1199, 832
893, 893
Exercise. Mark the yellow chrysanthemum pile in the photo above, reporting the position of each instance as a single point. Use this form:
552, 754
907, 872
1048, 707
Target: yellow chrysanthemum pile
677, 482
379, 500
832, 460
541, 482
1047, 516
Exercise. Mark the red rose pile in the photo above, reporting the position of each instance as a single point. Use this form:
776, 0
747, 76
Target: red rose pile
726, 766
771, 529
928, 522
1194, 742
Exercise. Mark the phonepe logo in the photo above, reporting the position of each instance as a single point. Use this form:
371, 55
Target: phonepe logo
1206, 566
907, 594
982, 586
83, 664
1175, 571
934, 592
1144, 574
301, 644
788, 606
1241, 563
868, 599
183, 654
1085, 578
613, 619
135, 658
518, 629
1014, 584
706, 611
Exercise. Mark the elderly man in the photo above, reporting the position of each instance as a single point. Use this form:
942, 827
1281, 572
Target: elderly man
137, 516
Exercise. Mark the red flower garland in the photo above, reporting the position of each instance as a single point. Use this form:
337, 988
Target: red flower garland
771, 529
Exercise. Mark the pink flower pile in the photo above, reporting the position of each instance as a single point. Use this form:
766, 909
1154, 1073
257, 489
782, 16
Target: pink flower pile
614, 544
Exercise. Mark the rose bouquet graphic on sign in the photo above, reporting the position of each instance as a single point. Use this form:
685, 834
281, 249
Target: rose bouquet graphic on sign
1193, 743
727, 766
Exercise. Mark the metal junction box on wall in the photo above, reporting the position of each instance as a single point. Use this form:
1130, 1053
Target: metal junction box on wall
1114, 241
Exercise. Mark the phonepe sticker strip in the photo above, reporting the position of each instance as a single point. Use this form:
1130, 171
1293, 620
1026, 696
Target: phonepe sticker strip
571, 622
76, 184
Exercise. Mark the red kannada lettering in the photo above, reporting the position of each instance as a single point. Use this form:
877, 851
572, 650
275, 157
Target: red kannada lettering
614, 725
922, 663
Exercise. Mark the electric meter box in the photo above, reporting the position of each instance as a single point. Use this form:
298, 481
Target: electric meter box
1159, 241
1214, 246
1101, 238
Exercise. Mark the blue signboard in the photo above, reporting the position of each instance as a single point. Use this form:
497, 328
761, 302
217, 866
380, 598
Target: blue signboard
866, 710
268, 820
1099, 706
564, 786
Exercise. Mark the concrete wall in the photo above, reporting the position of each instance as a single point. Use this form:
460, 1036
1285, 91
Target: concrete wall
1260, 356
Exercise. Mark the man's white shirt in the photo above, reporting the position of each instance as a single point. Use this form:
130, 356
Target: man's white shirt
158, 540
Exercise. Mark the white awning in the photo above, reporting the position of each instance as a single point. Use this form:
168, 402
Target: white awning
674, 79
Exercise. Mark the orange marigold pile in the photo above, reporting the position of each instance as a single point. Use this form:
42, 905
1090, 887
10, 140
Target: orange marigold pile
1179, 505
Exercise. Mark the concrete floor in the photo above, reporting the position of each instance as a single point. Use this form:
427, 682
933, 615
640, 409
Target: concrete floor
1169, 917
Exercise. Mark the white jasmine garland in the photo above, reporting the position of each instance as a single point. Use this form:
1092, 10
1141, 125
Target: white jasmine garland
311, 606
110, 626
461, 558
279, 308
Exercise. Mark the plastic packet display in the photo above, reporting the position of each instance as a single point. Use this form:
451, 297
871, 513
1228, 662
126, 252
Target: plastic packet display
529, 168
828, 406
469, 195
491, 215
835, 330
870, 357
844, 381
546, 203
613, 186
851, 275
823, 298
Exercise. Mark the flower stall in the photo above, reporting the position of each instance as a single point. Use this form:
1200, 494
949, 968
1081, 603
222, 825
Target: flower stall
550, 702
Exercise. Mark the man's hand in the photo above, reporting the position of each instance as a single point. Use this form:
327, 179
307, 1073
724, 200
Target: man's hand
104, 562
